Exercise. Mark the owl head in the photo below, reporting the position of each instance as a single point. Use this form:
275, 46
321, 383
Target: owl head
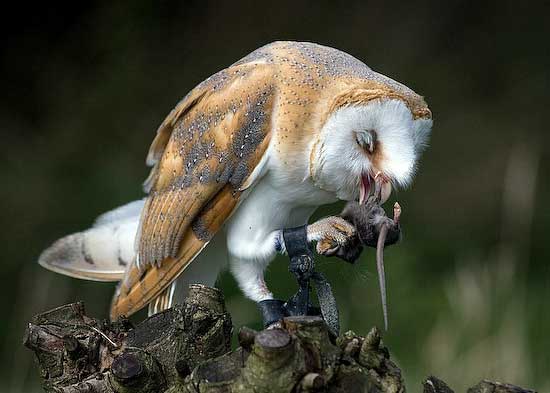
367, 142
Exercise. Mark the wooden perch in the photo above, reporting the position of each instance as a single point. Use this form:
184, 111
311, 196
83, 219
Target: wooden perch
188, 349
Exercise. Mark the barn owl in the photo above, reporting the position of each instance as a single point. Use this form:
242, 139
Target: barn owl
253, 149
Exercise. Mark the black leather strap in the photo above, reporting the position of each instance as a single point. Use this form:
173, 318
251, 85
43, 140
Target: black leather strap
327, 302
272, 311
302, 265
296, 242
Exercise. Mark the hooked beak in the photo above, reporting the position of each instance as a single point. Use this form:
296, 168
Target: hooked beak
379, 181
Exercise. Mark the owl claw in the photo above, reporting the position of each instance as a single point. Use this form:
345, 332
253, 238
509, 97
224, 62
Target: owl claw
335, 237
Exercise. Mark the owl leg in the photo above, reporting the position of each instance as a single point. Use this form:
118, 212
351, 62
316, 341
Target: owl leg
249, 274
249, 261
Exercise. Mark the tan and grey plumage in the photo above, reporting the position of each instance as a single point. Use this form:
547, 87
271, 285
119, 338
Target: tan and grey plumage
256, 148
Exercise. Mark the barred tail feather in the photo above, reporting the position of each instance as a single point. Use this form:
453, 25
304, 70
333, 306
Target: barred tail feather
100, 253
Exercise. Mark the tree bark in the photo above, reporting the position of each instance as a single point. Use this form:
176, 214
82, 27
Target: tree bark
188, 349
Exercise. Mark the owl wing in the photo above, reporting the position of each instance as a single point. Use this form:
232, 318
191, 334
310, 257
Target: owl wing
207, 151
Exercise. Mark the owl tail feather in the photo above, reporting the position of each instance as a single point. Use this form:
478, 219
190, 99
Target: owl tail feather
100, 253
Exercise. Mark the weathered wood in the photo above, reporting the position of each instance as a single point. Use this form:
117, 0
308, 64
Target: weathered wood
187, 349
246, 337
497, 387
435, 385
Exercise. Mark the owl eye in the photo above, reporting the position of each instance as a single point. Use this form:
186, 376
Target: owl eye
366, 140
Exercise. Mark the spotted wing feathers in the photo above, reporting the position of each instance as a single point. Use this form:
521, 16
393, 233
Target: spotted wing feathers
210, 145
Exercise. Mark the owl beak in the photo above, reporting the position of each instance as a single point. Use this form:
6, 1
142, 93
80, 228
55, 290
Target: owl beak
384, 184
382, 187
364, 188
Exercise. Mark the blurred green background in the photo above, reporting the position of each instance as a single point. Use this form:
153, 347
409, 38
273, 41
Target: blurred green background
85, 86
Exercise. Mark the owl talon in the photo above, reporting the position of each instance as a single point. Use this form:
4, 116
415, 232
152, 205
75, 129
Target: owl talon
335, 237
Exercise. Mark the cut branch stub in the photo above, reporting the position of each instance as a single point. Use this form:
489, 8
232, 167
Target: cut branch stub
436, 385
271, 344
135, 370
311, 330
312, 382
276, 363
127, 367
371, 354
316, 342
497, 387
206, 297
246, 337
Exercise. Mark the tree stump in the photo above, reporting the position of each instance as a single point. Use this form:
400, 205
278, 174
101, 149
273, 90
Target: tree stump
188, 349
